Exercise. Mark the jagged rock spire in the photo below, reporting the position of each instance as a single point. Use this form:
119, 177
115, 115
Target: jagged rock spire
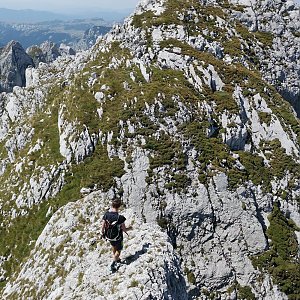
13, 63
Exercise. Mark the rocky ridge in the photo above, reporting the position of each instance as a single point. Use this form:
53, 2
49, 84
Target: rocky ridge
169, 111
69, 245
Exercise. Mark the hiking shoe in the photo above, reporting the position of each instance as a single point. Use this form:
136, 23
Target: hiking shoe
118, 263
113, 267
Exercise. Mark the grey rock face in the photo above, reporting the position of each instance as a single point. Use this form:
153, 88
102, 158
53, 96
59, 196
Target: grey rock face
90, 37
48, 52
279, 21
13, 63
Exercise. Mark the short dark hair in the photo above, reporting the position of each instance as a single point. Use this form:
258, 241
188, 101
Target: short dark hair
116, 203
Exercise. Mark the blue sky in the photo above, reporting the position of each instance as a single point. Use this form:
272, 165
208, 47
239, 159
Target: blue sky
70, 6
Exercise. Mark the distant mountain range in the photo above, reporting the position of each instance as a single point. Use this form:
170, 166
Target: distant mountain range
69, 32
32, 16
45, 41
32, 27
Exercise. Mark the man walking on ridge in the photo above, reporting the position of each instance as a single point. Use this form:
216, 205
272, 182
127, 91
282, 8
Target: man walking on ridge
113, 226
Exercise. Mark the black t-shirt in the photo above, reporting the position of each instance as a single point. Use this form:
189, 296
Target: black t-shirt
112, 216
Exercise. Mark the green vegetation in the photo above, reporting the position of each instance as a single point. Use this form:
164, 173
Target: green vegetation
45, 129
163, 222
176, 13
35, 52
244, 292
224, 101
165, 151
190, 276
213, 152
143, 20
173, 15
178, 182
96, 171
284, 111
265, 117
296, 34
266, 38
15, 240
211, 295
233, 47
281, 260
81, 105
48, 156
133, 283
280, 162
255, 170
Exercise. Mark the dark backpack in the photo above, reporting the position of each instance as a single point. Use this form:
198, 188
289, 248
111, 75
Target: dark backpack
112, 230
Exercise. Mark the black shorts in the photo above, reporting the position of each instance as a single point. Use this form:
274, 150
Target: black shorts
118, 245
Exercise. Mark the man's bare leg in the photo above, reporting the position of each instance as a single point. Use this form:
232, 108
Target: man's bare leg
116, 254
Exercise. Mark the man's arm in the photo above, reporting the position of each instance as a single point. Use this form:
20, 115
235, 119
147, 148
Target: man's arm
102, 227
124, 228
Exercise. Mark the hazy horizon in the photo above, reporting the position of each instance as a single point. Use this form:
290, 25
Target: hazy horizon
71, 6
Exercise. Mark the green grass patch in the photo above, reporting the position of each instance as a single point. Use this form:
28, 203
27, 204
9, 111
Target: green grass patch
265, 117
266, 38
176, 13
224, 101
233, 47
281, 259
164, 150
255, 169
280, 161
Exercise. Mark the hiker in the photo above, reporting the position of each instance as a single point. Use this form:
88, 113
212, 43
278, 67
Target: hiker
113, 226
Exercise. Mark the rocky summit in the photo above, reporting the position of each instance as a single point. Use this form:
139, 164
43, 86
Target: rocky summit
13, 63
188, 112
